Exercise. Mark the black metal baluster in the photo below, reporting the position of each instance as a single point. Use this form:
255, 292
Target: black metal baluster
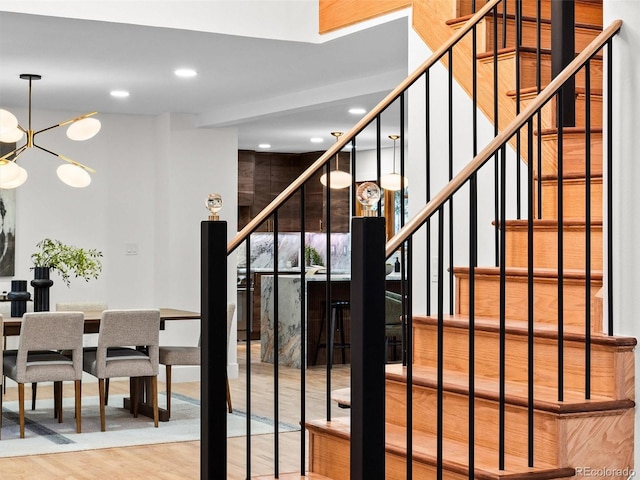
450, 60
518, 40
428, 187
503, 300
303, 336
610, 186
327, 300
530, 298
496, 112
538, 90
560, 109
276, 347
587, 227
249, 309
440, 353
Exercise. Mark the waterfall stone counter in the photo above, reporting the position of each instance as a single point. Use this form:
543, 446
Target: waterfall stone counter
289, 316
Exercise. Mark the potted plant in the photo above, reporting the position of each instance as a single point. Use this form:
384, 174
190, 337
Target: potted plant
66, 260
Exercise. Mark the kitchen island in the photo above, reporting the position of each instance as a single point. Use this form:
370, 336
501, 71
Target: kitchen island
290, 293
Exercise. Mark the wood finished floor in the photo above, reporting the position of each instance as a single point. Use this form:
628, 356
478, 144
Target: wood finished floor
181, 461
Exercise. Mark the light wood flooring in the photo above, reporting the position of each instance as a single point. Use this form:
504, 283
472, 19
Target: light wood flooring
181, 461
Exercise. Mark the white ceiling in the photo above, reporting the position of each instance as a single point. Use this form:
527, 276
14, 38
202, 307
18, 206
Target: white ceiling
272, 91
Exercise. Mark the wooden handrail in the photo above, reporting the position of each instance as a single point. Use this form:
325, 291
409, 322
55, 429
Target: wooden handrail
492, 147
361, 125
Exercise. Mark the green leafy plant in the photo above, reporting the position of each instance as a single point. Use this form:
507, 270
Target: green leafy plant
311, 256
67, 260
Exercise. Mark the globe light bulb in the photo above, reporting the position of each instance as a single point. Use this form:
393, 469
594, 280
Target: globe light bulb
213, 203
368, 194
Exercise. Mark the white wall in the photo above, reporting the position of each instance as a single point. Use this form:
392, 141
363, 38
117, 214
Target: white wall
626, 171
152, 178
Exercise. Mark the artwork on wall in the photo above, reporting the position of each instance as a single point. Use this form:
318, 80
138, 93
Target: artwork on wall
7, 232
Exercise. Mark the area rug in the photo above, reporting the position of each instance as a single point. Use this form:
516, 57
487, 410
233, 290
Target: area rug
43, 433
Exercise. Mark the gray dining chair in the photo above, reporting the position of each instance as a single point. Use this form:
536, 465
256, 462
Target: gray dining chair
38, 359
171, 355
71, 307
128, 343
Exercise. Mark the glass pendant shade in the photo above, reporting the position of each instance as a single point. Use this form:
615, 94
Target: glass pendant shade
392, 181
339, 179
8, 120
17, 181
73, 175
11, 136
83, 129
9, 171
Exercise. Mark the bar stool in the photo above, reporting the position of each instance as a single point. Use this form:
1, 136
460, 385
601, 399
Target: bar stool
338, 308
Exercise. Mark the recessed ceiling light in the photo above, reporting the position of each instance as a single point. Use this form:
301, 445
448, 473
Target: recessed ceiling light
264, 145
357, 111
317, 140
119, 93
185, 72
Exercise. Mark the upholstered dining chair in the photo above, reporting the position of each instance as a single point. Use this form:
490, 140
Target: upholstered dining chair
71, 307
188, 355
127, 347
38, 359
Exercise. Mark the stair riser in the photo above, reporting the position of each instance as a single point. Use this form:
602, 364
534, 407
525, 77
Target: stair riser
573, 154
330, 456
549, 111
608, 364
545, 248
545, 301
583, 36
487, 421
574, 189
528, 71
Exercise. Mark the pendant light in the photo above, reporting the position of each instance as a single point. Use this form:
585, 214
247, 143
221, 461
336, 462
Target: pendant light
393, 181
339, 179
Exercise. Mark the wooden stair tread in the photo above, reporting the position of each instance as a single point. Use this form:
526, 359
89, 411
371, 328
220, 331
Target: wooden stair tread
520, 327
595, 92
568, 131
525, 49
455, 456
516, 393
551, 223
569, 274
293, 476
553, 177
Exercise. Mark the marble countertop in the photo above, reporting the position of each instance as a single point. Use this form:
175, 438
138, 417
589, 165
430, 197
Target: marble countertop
335, 277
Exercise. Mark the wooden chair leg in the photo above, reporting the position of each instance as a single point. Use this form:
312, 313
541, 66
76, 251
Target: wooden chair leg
101, 395
168, 369
78, 392
57, 392
21, 407
154, 399
135, 395
229, 397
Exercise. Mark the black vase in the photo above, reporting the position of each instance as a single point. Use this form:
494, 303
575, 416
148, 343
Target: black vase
19, 297
41, 284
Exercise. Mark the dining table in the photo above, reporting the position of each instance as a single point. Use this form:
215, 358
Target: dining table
11, 327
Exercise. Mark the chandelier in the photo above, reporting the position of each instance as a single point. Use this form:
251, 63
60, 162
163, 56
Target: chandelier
72, 173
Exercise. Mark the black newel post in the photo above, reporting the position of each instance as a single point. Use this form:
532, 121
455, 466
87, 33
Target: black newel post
213, 370
367, 348
41, 284
19, 297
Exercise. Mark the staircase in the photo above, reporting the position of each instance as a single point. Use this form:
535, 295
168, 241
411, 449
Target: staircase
575, 430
